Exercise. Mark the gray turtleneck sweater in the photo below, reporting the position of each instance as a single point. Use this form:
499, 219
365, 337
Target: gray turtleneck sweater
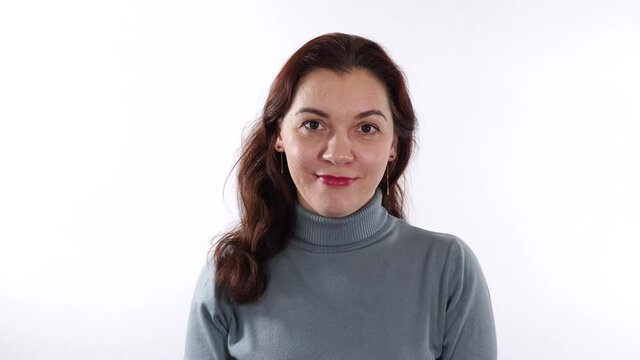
365, 286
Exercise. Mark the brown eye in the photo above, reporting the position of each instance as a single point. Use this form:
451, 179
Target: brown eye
368, 129
312, 125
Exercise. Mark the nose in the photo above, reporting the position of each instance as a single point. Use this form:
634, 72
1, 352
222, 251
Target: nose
338, 150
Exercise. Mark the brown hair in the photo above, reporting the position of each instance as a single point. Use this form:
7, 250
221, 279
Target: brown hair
267, 197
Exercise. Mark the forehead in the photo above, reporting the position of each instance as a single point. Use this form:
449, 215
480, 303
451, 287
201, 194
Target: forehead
357, 90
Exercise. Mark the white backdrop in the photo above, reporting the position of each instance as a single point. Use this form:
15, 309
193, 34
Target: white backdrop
120, 121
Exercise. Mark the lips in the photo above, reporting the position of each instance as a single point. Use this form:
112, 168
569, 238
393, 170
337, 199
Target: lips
336, 180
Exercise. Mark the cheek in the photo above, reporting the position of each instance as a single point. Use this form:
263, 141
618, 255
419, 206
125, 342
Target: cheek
299, 161
300, 151
375, 158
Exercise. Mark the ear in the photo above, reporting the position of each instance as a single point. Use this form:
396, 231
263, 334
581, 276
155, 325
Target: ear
279, 143
393, 154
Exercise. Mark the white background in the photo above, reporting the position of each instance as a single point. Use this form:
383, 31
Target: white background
120, 121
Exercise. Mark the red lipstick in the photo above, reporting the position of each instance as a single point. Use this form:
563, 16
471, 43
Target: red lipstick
336, 180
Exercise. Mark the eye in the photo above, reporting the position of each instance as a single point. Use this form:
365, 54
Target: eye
368, 129
312, 124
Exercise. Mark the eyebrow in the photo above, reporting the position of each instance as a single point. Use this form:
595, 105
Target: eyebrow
324, 114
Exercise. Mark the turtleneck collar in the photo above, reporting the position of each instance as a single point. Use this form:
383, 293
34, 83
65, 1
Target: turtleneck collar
325, 234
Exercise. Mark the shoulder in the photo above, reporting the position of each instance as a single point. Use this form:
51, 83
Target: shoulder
452, 274
447, 248
205, 288
433, 240
209, 298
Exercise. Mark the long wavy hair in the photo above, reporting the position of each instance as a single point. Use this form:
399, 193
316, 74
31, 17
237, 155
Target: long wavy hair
268, 197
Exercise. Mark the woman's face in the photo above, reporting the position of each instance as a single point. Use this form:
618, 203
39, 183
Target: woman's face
338, 138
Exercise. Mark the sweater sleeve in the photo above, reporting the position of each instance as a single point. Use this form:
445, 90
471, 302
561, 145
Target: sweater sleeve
469, 325
207, 326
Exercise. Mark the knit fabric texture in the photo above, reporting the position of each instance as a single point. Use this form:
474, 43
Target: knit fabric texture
365, 286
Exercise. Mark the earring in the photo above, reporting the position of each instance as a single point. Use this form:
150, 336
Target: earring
387, 179
281, 163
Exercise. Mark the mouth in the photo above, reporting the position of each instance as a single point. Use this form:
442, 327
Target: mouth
336, 180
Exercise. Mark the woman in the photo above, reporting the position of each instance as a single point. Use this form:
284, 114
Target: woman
321, 265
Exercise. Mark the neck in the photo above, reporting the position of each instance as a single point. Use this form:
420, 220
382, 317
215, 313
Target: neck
324, 234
